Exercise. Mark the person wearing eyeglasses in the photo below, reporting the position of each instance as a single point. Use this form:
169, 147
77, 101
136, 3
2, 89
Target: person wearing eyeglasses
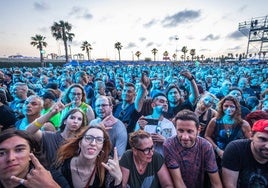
84, 161
77, 95
189, 157
141, 166
116, 128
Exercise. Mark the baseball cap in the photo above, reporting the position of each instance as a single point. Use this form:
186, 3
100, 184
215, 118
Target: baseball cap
260, 126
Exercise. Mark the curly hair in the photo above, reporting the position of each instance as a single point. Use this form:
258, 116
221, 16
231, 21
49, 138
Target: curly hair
135, 137
237, 114
71, 149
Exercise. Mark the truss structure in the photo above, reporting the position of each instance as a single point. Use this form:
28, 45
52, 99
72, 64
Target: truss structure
256, 30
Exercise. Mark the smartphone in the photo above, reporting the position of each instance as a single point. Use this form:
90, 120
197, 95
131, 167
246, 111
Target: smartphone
151, 121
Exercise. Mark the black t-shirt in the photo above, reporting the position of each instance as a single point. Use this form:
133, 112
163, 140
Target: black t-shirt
172, 111
238, 157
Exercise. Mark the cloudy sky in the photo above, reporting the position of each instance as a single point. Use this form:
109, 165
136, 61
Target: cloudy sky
209, 26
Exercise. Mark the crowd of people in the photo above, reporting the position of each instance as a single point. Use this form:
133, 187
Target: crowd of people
134, 126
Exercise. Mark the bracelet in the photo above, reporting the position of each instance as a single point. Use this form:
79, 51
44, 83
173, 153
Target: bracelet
37, 124
217, 149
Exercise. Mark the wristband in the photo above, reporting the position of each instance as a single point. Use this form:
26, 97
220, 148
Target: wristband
192, 78
217, 149
37, 124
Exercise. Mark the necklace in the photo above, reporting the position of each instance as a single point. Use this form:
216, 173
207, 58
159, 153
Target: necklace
78, 173
140, 169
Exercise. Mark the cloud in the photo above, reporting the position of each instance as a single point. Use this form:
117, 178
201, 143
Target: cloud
131, 45
241, 9
173, 38
205, 50
210, 37
76, 43
41, 6
150, 23
79, 12
236, 48
142, 39
180, 17
149, 44
235, 35
43, 29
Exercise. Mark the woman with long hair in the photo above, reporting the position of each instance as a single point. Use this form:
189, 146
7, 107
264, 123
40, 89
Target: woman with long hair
84, 161
205, 112
71, 124
227, 125
76, 95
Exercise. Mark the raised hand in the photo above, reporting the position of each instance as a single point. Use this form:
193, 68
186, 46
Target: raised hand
186, 73
109, 121
37, 177
145, 80
113, 167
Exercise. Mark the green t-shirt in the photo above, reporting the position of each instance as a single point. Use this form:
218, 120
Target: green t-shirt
55, 120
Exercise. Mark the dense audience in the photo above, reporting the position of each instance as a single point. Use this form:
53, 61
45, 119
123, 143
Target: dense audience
139, 126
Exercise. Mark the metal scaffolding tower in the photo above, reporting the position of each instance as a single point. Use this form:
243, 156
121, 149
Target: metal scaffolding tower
256, 30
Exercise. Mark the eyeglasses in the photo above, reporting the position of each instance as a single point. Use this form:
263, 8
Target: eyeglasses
146, 151
90, 139
101, 105
73, 93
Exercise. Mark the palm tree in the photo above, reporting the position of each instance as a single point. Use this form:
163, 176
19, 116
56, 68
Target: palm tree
202, 57
118, 46
264, 54
86, 46
165, 54
61, 31
52, 55
174, 56
138, 53
39, 42
154, 51
182, 57
192, 53
184, 51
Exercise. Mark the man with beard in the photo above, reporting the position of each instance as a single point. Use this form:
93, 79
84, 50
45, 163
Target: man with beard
188, 156
128, 110
176, 101
159, 127
245, 162
115, 128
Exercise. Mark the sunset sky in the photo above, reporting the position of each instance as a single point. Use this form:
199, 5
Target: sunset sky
209, 26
